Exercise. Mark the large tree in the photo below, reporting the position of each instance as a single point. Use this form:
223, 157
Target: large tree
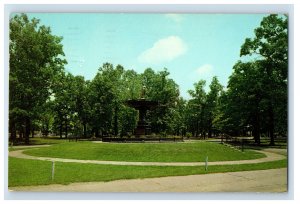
245, 98
203, 108
212, 109
197, 107
64, 104
160, 88
270, 45
35, 58
130, 87
82, 107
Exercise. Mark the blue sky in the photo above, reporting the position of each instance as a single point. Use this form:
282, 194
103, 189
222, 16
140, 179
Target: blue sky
191, 46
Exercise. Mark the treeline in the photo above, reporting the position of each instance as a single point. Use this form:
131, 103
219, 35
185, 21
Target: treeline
44, 97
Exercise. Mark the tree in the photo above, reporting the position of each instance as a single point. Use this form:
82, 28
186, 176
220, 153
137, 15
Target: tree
46, 118
203, 108
178, 123
270, 44
82, 107
35, 58
64, 94
220, 120
165, 91
103, 99
130, 88
212, 104
197, 107
245, 97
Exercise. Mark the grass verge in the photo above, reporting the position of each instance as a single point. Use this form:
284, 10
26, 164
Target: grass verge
23, 172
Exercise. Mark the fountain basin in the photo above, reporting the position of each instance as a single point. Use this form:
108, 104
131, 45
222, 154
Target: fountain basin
142, 105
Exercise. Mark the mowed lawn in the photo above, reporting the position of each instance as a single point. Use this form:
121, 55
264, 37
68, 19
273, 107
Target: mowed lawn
25, 172
145, 152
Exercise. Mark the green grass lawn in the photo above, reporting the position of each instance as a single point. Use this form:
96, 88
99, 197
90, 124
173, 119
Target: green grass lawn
38, 141
47, 140
41, 141
156, 152
23, 172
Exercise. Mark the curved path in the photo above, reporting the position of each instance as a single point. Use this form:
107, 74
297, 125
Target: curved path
270, 156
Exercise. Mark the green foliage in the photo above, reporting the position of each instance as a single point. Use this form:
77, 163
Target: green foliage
35, 58
105, 99
64, 103
45, 98
244, 96
257, 90
270, 43
213, 110
166, 92
204, 108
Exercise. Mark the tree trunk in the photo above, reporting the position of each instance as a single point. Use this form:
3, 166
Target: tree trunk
60, 129
97, 133
47, 128
66, 128
256, 129
84, 130
210, 131
116, 120
271, 124
21, 132
270, 108
27, 130
13, 132
32, 133
197, 128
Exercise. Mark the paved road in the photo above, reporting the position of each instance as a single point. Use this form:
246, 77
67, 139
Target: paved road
273, 180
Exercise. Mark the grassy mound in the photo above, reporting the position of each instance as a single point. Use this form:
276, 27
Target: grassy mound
145, 152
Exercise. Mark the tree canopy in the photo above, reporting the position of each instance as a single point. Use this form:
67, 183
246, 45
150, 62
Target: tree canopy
271, 45
35, 59
44, 97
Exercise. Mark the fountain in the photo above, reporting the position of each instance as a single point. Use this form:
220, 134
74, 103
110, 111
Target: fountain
142, 105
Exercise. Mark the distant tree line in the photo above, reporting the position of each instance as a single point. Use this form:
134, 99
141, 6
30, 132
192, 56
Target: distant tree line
44, 97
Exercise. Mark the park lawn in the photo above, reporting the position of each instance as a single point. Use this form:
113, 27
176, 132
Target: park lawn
47, 140
10, 149
24, 172
145, 152
38, 141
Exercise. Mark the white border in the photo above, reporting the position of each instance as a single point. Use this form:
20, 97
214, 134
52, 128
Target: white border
117, 6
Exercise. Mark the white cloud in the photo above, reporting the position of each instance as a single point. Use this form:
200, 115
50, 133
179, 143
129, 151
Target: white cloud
205, 69
164, 50
177, 18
